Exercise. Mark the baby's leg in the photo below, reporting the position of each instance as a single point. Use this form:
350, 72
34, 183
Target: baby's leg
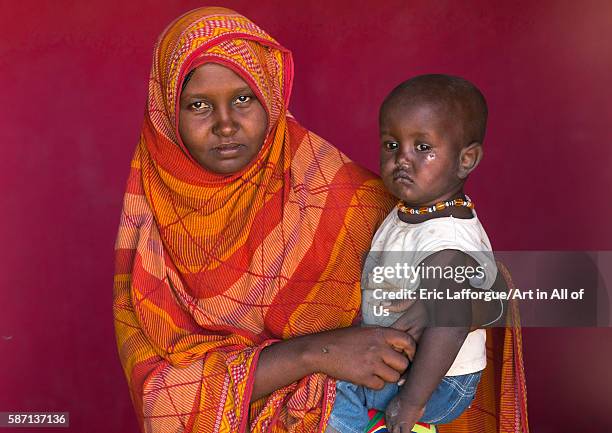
349, 414
350, 411
452, 397
379, 399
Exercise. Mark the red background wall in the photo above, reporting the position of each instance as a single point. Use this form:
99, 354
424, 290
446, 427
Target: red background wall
74, 80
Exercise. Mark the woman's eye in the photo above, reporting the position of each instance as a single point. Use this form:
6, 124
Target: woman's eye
200, 106
391, 145
422, 147
242, 99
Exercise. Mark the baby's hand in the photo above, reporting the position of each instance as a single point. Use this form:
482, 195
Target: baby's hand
401, 415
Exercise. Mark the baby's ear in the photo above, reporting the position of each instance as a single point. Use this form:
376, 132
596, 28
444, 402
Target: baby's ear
469, 157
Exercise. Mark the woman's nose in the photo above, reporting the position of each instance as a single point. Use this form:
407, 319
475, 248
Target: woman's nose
225, 125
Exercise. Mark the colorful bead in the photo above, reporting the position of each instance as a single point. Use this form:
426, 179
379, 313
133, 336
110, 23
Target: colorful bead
459, 202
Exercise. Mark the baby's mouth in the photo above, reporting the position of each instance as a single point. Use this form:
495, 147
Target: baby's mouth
402, 176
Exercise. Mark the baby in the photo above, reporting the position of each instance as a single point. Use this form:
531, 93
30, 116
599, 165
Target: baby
431, 133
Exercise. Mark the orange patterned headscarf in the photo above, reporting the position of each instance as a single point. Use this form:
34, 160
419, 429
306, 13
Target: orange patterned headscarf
210, 268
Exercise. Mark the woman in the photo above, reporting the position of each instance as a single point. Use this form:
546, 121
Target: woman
240, 244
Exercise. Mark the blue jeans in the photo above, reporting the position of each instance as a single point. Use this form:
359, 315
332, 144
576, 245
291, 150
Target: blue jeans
449, 400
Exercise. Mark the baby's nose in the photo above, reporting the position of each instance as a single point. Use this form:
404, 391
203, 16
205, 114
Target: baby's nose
404, 156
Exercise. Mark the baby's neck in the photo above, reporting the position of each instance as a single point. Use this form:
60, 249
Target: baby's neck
455, 212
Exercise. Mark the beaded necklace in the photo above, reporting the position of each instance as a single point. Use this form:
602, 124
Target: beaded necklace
458, 202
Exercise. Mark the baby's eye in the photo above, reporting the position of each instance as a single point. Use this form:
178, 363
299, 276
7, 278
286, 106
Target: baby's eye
391, 145
242, 99
199, 106
423, 147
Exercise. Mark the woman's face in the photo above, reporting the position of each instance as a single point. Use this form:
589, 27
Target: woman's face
221, 121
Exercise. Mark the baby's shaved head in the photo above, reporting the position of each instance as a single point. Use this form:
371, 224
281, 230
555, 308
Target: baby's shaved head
456, 96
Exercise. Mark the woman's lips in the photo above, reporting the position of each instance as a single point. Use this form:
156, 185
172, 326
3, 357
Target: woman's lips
228, 150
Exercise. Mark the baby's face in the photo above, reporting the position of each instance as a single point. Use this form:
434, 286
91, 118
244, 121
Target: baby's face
419, 153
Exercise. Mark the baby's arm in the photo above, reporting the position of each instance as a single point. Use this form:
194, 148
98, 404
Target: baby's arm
484, 313
437, 346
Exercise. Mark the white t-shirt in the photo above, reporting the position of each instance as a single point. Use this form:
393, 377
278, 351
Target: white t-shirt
397, 241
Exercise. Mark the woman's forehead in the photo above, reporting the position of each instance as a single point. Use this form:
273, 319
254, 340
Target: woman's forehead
213, 77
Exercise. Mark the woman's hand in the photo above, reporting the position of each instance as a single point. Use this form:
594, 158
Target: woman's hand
364, 356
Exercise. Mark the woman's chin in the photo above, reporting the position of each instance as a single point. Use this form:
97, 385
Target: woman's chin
226, 166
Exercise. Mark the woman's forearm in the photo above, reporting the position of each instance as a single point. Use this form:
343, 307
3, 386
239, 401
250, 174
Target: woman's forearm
283, 363
365, 356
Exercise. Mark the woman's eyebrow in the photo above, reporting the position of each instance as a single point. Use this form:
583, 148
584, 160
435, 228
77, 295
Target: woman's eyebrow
188, 95
244, 89
196, 94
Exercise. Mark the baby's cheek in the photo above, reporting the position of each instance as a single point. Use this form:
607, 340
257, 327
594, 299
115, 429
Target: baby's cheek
386, 165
